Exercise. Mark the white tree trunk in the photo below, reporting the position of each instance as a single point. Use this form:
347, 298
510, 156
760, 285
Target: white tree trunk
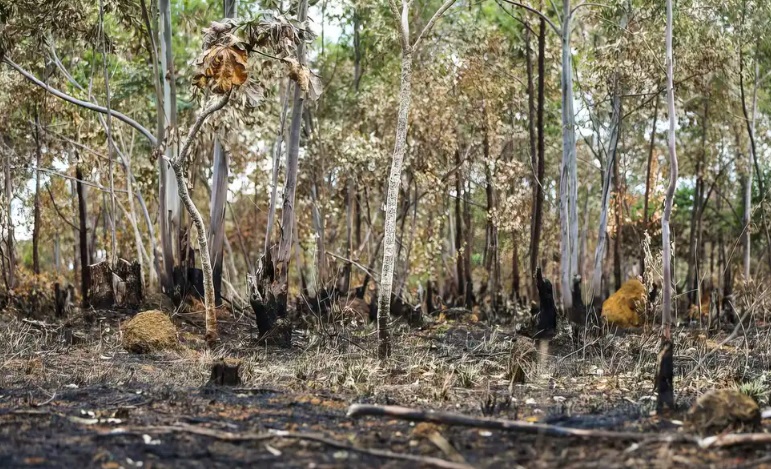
568, 176
665, 235
394, 182
169, 197
602, 238
748, 187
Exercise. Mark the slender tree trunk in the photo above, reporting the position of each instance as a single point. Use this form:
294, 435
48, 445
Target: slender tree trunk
36, 227
468, 250
665, 374
219, 195
515, 275
651, 147
290, 185
617, 243
113, 257
85, 273
169, 199
541, 165
394, 182
602, 234
568, 174
751, 160
460, 252
277, 145
9, 241
318, 225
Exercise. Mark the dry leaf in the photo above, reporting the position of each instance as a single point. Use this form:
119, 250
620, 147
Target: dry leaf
223, 67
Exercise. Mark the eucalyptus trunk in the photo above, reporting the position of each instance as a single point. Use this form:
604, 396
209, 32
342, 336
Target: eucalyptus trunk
219, 194
568, 173
602, 235
290, 185
169, 199
394, 183
665, 375
651, 147
36, 227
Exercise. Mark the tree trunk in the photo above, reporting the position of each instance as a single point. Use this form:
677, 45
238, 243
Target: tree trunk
281, 283
169, 201
468, 251
85, 273
651, 147
568, 175
36, 227
318, 226
665, 375
541, 168
460, 252
219, 195
602, 234
394, 183
277, 145
9, 242
617, 242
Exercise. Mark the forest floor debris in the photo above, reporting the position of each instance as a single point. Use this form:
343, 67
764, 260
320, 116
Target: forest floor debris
95, 405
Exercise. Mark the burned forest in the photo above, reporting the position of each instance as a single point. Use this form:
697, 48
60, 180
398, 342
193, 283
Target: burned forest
355, 233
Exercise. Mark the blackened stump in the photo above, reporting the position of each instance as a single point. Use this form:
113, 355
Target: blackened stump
225, 374
546, 326
665, 377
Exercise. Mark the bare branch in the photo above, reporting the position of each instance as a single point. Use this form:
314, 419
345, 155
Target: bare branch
587, 4
533, 10
216, 106
404, 34
445, 6
84, 104
449, 418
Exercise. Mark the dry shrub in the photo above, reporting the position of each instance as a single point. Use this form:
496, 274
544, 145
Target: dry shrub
723, 409
149, 331
32, 297
625, 307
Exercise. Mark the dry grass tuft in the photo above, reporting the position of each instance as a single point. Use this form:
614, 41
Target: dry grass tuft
149, 331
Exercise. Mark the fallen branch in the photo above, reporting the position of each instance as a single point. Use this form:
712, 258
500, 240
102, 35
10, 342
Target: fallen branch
240, 437
734, 439
449, 418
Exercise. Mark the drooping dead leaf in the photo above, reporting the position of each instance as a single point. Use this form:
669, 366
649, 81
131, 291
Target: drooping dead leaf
300, 74
222, 68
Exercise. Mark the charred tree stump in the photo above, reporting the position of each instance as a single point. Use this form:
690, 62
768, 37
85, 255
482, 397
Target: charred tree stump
665, 377
62, 300
578, 314
266, 295
546, 325
118, 287
225, 373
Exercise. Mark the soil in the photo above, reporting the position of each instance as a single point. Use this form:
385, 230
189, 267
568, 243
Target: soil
94, 405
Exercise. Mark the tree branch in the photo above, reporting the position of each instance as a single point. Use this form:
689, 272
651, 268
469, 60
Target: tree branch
216, 106
445, 6
586, 4
92, 107
533, 10
449, 418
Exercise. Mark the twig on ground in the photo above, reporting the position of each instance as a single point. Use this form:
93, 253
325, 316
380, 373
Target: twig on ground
448, 418
44, 403
734, 439
236, 437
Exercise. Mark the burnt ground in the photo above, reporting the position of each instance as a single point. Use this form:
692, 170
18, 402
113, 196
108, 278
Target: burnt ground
94, 405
